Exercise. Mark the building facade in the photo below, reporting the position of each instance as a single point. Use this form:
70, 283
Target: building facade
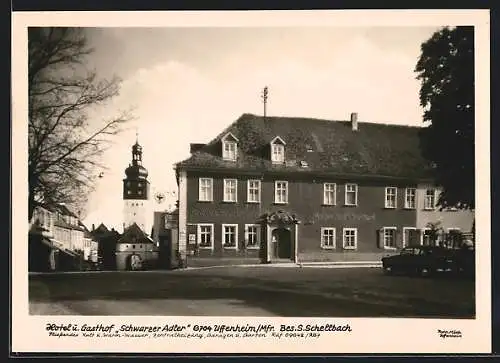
136, 189
135, 250
59, 236
294, 189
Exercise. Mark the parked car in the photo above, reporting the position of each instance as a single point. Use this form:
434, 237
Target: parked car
465, 261
420, 260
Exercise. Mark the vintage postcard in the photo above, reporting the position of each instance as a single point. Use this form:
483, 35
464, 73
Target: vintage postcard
251, 182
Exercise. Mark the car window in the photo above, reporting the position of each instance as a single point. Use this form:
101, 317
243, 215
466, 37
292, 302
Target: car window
407, 251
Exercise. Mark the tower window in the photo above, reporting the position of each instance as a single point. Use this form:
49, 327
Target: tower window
129, 192
139, 192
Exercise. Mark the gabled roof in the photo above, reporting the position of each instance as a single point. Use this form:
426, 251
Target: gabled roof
56, 208
377, 150
64, 210
229, 135
101, 229
276, 139
134, 234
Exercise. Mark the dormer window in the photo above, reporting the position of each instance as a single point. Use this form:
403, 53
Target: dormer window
229, 147
229, 152
278, 150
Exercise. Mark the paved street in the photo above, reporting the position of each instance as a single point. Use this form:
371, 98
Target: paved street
251, 291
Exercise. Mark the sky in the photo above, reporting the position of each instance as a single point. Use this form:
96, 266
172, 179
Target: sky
186, 84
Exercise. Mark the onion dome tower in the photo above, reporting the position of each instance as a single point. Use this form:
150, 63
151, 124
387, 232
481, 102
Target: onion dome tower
136, 192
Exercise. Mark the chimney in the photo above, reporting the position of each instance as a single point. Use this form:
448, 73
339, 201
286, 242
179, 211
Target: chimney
194, 147
93, 226
354, 121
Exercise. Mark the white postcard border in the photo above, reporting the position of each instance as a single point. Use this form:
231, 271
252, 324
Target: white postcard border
368, 335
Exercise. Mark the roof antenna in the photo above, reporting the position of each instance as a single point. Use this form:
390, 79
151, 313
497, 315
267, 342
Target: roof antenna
264, 96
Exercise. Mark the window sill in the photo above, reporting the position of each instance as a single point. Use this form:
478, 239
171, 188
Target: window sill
390, 248
229, 201
328, 205
350, 248
230, 247
252, 247
280, 203
350, 205
252, 202
205, 201
205, 248
327, 248
409, 208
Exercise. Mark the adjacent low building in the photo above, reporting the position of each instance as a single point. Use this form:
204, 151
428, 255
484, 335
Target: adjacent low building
299, 189
165, 235
135, 250
107, 240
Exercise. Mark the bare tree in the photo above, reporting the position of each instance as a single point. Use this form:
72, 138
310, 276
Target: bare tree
65, 141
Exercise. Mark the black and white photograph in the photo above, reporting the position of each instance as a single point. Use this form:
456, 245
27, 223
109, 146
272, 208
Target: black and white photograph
256, 170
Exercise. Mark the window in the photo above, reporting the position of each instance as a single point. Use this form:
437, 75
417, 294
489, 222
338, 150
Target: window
351, 194
230, 187
252, 236
139, 192
327, 237
139, 184
427, 237
430, 199
329, 194
253, 191
453, 237
129, 191
410, 198
410, 236
229, 150
281, 192
205, 189
350, 239
206, 236
278, 153
390, 237
230, 236
390, 197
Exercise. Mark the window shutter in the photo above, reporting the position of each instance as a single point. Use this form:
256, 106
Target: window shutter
399, 238
380, 238
245, 237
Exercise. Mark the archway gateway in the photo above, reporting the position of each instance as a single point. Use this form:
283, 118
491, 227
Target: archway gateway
280, 237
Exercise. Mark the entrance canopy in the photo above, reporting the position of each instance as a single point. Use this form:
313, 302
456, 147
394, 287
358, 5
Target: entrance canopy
279, 218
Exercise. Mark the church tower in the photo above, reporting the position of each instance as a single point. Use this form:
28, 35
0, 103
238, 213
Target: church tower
136, 193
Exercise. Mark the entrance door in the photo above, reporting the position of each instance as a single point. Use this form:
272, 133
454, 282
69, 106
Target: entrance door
281, 244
